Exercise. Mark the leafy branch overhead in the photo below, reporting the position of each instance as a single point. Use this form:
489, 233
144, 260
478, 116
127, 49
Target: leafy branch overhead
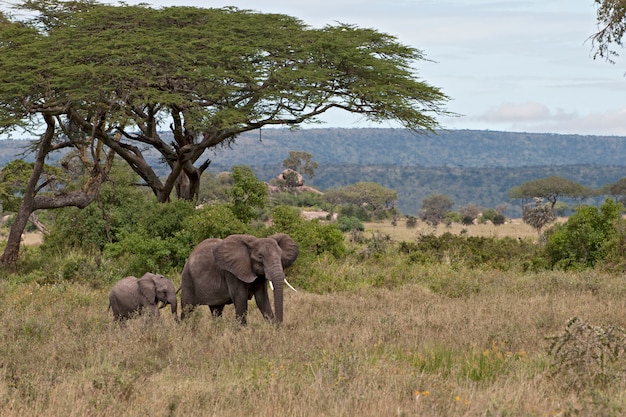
206, 75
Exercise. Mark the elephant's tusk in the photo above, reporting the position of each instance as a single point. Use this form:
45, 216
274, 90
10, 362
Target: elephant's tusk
286, 282
290, 286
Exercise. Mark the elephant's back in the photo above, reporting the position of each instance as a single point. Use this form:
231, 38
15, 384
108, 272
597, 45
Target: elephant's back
201, 258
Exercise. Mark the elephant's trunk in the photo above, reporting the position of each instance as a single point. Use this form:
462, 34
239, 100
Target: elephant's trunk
173, 302
278, 299
277, 278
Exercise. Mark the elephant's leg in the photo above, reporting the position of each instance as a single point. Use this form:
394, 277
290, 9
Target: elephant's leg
241, 311
216, 311
262, 300
186, 310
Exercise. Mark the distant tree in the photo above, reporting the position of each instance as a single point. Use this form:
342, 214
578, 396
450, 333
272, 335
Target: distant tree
371, 197
215, 188
434, 208
301, 162
616, 190
411, 222
469, 213
493, 216
551, 189
538, 215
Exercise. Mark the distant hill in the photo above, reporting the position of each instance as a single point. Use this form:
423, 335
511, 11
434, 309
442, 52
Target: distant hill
455, 148
471, 166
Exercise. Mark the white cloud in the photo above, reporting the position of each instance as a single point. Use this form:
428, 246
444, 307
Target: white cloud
524, 112
537, 117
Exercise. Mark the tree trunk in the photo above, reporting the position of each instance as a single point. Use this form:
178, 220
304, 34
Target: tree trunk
8, 260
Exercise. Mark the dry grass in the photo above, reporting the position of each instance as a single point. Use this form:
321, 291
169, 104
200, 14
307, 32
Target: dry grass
375, 352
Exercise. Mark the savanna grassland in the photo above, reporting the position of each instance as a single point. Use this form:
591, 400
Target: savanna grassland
398, 339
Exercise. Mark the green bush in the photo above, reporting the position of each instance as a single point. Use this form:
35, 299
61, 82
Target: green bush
212, 221
588, 236
352, 210
472, 251
492, 216
155, 242
347, 224
313, 237
411, 222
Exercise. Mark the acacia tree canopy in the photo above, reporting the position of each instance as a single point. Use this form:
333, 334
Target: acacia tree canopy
181, 80
550, 188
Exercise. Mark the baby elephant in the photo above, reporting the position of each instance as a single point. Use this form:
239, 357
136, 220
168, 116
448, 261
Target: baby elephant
133, 295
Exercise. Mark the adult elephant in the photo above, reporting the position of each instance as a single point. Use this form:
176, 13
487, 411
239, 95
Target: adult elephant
133, 295
233, 270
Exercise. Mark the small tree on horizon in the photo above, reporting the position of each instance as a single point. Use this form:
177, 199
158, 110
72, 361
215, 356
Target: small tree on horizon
434, 209
301, 162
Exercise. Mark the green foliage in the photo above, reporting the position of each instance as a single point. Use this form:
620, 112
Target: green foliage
304, 199
487, 215
216, 220
474, 252
14, 177
588, 236
411, 222
248, 195
352, 210
120, 206
215, 188
301, 162
154, 243
550, 188
347, 224
140, 252
374, 199
434, 208
313, 237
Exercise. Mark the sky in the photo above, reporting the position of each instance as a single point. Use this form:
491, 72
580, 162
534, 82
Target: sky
507, 65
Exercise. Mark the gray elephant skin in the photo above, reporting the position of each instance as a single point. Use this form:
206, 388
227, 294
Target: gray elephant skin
233, 270
131, 296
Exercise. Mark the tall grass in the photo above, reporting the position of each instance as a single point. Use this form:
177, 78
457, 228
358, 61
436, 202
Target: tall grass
412, 348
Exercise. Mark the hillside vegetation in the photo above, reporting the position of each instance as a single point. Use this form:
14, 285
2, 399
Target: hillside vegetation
477, 167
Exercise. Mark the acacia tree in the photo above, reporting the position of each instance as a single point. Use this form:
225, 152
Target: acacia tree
182, 80
536, 213
550, 188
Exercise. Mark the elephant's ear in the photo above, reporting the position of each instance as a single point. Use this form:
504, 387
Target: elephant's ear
233, 255
147, 287
289, 248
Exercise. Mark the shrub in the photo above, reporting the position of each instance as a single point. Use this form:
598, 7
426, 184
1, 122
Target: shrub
313, 237
586, 355
248, 195
347, 224
587, 237
472, 251
212, 221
